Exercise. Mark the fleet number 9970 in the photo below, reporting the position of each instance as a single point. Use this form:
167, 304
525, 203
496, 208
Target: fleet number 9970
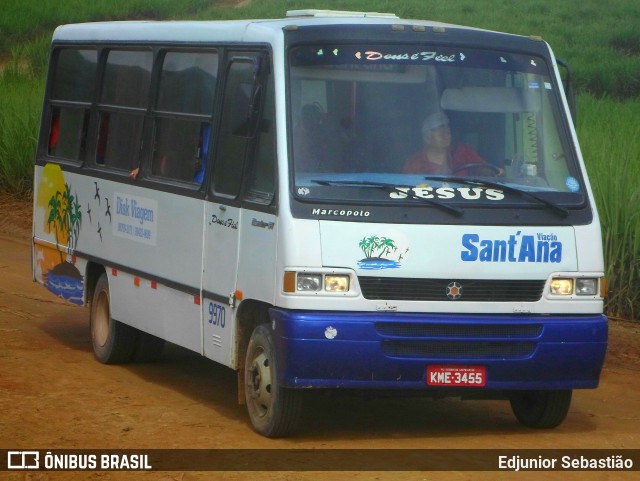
217, 314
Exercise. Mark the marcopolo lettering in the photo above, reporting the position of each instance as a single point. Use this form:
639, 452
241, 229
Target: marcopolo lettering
515, 248
341, 212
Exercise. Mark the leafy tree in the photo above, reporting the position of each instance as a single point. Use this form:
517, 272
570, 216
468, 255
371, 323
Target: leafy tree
66, 217
375, 246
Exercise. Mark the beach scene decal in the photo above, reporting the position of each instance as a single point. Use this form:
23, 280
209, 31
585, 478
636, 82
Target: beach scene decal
381, 252
61, 213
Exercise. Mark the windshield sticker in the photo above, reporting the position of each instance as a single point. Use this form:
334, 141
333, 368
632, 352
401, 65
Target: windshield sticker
414, 56
572, 184
476, 193
381, 253
540, 248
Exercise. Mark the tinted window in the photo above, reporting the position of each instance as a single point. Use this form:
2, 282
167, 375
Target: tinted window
71, 94
183, 115
233, 139
75, 73
123, 102
126, 78
188, 82
263, 176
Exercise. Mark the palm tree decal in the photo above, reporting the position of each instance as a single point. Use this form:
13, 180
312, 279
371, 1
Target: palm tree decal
377, 247
65, 218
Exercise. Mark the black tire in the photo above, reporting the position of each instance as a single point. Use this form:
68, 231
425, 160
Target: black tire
541, 409
148, 348
113, 342
274, 411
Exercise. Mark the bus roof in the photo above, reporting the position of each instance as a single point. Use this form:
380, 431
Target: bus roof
226, 30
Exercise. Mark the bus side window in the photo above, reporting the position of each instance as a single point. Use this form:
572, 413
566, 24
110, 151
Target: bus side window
123, 105
262, 182
183, 115
238, 127
70, 101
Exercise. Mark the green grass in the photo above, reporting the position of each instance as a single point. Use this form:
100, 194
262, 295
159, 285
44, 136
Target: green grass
600, 41
610, 139
20, 105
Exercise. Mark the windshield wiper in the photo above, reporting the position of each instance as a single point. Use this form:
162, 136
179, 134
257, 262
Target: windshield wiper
392, 188
555, 208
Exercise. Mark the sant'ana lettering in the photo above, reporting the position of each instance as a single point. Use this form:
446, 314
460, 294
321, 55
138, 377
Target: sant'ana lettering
542, 248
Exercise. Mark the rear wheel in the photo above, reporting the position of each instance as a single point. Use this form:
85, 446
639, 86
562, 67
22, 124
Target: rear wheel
274, 411
541, 409
113, 342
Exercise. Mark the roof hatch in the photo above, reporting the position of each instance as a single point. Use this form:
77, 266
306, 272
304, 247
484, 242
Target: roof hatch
337, 13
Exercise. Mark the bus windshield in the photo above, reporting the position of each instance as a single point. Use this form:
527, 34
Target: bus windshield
422, 119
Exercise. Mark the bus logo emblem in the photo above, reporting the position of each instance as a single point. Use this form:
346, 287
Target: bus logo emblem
454, 291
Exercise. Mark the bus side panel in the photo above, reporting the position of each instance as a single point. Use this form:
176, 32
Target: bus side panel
148, 242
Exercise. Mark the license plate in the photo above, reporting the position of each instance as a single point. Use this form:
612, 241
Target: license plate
456, 376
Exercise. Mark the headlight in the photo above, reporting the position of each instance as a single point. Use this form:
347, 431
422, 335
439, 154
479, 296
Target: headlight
561, 287
578, 286
315, 282
586, 286
336, 283
309, 282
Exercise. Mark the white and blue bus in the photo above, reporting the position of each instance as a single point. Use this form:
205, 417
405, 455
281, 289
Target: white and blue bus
329, 200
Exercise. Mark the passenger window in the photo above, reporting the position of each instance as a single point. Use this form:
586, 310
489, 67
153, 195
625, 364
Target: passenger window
235, 128
263, 176
183, 116
123, 106
75, 75
119, 140
188, 82
70, 101
68, 132
180, 150
126, 78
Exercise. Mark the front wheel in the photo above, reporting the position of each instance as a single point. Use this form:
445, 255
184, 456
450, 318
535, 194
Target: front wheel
274, 411
541, 409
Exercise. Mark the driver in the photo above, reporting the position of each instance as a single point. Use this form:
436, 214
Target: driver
438, 156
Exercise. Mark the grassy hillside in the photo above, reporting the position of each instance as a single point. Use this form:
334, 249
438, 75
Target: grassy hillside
600, 40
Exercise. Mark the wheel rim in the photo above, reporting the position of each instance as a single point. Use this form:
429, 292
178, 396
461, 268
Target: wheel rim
101, 319
259, 383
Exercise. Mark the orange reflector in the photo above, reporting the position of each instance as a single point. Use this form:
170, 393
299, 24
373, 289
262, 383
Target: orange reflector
136, 281
603, 287
239, 295
289, 281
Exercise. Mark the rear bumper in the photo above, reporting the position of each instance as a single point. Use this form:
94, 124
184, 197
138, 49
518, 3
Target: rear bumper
324, 349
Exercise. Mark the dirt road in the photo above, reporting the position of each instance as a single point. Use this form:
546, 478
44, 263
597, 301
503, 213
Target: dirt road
53, 394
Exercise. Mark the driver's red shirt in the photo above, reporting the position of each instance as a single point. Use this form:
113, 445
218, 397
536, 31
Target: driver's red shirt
420, 164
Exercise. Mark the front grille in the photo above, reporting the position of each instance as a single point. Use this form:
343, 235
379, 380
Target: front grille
502, 331
483, 290
459, 349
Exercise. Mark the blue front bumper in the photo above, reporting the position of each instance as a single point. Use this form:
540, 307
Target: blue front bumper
324, 349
